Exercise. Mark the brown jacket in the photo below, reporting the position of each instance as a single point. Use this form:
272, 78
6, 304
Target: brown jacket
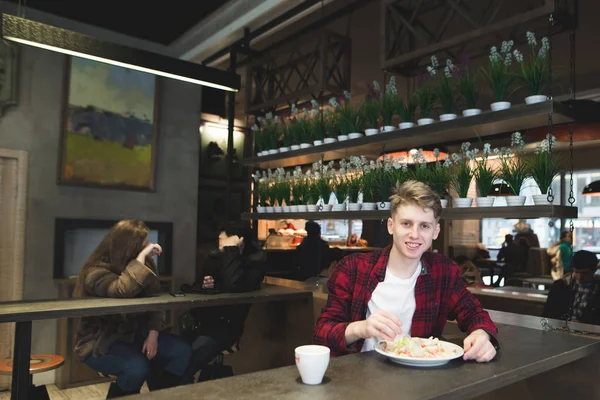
95, 335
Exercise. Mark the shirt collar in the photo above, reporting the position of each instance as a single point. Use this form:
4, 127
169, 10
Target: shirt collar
382, 262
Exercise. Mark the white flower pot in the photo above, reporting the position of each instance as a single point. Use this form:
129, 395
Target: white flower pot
259, 154
342, 138
278, 209
339, 207
541, 200
273, 151
293, 208
500, 105
287, 209
261, 209
354, 207
384, 205
371, 132
284, 149
355, 135
425, 121
448, 117
406, 125
270, 209
302, 208
326, 207
485, 201
537, 98
388, 128
515, 201
312, 207
329, 140
444, 203
305, 145
462, 202
469, 112
318, 142
295, 147
368, 206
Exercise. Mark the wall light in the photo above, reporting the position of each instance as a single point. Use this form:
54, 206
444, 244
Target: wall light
76, 44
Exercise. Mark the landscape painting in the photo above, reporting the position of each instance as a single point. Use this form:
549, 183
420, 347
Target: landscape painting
109, 135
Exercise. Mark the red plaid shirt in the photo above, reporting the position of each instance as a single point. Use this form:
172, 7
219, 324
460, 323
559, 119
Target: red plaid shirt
440, 295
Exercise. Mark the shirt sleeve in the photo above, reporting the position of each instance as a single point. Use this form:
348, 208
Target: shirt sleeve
335, 317
469, 313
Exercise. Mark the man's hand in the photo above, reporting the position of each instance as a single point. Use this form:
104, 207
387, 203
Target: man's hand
150, 346
381, 324
208, 283
478, 347
234, 240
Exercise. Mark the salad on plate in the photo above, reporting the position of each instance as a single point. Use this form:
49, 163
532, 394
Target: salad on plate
419, 351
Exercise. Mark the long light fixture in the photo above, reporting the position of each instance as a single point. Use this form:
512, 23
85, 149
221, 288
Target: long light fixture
76, 44
593, 189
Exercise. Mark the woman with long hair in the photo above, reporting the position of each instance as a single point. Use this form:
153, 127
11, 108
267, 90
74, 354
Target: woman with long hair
127, 345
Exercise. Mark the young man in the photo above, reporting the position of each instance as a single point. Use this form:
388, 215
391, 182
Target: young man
403, 289
577, 297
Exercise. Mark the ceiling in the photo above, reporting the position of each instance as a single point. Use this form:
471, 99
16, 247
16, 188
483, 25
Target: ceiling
161, 23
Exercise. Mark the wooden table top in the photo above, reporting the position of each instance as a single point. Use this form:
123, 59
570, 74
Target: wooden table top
16, 311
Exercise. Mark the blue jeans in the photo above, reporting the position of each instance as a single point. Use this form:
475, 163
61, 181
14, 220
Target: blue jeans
130, 365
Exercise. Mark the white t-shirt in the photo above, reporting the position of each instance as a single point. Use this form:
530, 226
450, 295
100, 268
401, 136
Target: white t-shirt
397, 296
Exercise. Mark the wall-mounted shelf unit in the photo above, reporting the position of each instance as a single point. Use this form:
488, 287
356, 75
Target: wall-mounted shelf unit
522, 212
519, 117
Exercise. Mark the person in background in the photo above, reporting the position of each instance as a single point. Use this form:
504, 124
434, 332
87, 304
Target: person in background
235, 266
560, 255
514, 257
403, 289
313, 254
470, 272
127, 345
576, 296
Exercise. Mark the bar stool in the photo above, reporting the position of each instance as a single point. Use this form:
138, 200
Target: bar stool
37, 364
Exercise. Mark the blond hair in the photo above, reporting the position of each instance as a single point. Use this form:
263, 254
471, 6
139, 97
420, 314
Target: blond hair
418, 194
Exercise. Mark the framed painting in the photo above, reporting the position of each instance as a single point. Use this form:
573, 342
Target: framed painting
109, 130
213, 151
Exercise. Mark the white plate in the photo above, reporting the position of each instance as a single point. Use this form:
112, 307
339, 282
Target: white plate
424, 362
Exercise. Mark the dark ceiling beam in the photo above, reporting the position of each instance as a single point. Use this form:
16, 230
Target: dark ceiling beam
248, 37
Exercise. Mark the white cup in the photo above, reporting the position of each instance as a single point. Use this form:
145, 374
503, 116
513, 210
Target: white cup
312, 362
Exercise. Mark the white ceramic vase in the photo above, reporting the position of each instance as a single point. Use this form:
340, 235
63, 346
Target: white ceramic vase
462, 202
354, 207
312, 207
406, 125
339, 207
388, 128
384, 205
318, 142
273, 151
368, 206
355, 135
284, 149
485, 201
342, 138
425, 121
500, 105
541, 200
305, 145
515, 201
329, 140
293, 208
270, 209
261, 209
371, 131
447, 117
469, 112
537, 98
295, 147
444, 203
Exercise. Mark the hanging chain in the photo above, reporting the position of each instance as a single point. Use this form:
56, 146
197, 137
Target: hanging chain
321, 206
565, 328
383, 180
550, 196
572, 76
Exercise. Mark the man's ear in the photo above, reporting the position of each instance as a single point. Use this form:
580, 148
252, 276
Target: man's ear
436, 231
390, 226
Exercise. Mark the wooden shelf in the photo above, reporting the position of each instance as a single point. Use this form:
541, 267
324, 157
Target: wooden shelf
488, 123
524, 212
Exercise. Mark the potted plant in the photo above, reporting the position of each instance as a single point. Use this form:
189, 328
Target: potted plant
384, 170
370, 110
513, 170
270, 192
296, 188
370, 186
484, 178
499, 75
445, 92
271, 132
535, 71
439, 176
261, 192
426, 94
329, 125
287, 137
387, 104
346, 117
406, 111
317, 123
354, 180
340, 186
323, 184
466, 85
295, 129
543, 166
399, 173
462, 174
259, 140
305, 127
